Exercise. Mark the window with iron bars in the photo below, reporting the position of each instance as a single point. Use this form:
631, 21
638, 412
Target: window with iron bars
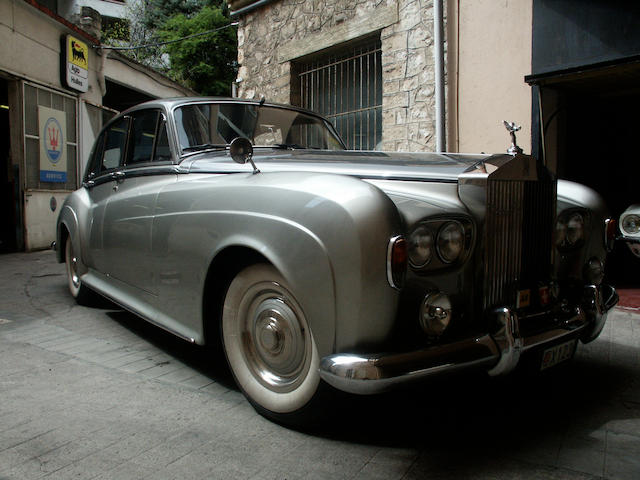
345, 86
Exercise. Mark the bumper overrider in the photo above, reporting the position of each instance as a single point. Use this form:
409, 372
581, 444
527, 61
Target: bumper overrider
497, 352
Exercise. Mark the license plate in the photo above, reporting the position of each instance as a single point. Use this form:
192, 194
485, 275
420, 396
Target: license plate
555, 355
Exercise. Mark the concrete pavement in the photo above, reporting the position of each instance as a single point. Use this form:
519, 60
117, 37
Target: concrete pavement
96, 393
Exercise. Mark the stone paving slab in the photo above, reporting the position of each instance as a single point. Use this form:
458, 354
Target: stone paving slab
96, 393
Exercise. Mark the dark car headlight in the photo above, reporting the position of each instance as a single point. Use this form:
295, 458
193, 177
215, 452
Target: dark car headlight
570, 229
421, 246
450, 242
630, 224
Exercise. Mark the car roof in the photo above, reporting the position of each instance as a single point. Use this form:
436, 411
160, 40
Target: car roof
170, 103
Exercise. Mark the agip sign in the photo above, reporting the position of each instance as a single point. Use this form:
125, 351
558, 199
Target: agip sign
76, 61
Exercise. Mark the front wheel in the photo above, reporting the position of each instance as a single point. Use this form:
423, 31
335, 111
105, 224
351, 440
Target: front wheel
269, 345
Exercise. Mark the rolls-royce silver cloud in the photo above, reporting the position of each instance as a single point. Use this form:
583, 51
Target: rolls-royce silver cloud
250, 225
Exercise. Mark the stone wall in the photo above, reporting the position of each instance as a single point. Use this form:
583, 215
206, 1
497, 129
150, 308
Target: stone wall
270, 37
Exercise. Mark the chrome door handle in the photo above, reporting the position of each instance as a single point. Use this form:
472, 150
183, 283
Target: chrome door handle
118, 176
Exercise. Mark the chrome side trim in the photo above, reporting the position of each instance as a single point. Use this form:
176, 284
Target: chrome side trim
597, 302
390, 246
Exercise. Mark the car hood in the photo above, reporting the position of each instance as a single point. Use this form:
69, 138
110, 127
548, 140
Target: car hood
367, 165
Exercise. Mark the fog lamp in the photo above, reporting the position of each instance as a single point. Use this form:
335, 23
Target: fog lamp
435, 313
594, 271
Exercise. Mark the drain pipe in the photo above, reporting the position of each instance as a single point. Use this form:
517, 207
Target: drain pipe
438, 51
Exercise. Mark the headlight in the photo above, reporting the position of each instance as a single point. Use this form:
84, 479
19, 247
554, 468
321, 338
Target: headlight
421, 246
450, 242
575, 228
631, 224
570, 229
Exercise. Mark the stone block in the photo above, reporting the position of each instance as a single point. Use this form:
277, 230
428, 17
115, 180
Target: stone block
400, 99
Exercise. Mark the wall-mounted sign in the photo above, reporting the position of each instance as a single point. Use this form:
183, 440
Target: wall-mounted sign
77, 64
53, 155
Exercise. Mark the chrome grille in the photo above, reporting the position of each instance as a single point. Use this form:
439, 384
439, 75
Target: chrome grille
518, 237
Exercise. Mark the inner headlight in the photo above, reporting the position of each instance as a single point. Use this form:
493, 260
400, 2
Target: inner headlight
575, 228
631, 224
570, 229
450, 242
420, 246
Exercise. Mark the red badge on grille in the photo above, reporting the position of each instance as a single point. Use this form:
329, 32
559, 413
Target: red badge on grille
545, 297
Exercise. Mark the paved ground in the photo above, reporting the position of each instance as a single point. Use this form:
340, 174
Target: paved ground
96, 393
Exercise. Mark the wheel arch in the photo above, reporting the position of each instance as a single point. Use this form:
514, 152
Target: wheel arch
223, 268
313, 280
67, 228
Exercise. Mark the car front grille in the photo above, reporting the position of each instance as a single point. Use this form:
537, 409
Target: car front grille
518, 237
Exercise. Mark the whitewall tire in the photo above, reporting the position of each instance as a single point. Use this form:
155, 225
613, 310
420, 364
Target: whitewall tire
268, 342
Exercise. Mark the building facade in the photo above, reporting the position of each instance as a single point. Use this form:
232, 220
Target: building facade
373, 67
567, 71
57, 88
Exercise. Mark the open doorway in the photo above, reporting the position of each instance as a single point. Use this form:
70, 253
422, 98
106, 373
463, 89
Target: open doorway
591, 128
7, 184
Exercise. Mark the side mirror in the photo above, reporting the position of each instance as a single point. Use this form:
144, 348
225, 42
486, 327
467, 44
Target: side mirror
241, 151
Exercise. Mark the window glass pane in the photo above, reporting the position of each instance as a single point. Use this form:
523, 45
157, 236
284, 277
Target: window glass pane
116, 138
143, 133
30, 110
57, 101
162, 151
70, 110
44, 98
32, 158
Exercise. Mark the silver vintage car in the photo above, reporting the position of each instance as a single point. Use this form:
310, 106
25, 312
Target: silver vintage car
317, 268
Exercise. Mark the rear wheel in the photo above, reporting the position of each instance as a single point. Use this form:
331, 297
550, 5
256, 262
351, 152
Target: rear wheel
81, 293
269, 345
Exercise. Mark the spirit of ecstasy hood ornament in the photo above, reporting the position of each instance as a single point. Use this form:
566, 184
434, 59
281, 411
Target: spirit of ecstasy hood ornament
512, 128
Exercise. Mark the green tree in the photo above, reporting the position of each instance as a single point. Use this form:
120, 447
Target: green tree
206, 63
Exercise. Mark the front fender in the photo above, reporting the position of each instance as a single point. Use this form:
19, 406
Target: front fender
328, 235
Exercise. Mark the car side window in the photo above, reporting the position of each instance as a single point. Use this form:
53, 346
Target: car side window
115, 144
162, 152
143, 134
95, 158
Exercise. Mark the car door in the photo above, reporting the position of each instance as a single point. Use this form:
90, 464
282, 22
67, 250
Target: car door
100, 183
128, 217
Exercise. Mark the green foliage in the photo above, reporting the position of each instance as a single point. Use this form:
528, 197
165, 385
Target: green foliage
206, 63
157, 12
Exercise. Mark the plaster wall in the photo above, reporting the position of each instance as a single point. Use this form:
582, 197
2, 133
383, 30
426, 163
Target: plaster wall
493, 56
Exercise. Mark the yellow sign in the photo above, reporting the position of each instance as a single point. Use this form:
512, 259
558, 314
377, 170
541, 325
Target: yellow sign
77, 52
77, 64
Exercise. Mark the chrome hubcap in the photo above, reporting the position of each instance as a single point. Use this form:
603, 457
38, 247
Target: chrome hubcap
72, 265
275, 339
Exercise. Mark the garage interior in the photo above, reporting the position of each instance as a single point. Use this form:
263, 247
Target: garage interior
589, 129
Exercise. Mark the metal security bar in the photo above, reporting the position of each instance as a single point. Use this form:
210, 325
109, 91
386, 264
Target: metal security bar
347, 89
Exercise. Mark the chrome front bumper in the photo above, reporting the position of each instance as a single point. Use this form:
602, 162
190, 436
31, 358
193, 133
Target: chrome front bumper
498, 352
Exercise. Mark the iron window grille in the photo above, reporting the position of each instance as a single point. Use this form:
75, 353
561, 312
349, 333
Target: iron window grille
346, 88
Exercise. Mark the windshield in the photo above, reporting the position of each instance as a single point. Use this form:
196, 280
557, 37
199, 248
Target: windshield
210, 125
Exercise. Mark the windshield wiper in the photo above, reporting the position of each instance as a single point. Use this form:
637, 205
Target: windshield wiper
203, 146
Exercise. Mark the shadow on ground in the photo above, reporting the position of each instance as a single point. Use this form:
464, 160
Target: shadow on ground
479, 415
